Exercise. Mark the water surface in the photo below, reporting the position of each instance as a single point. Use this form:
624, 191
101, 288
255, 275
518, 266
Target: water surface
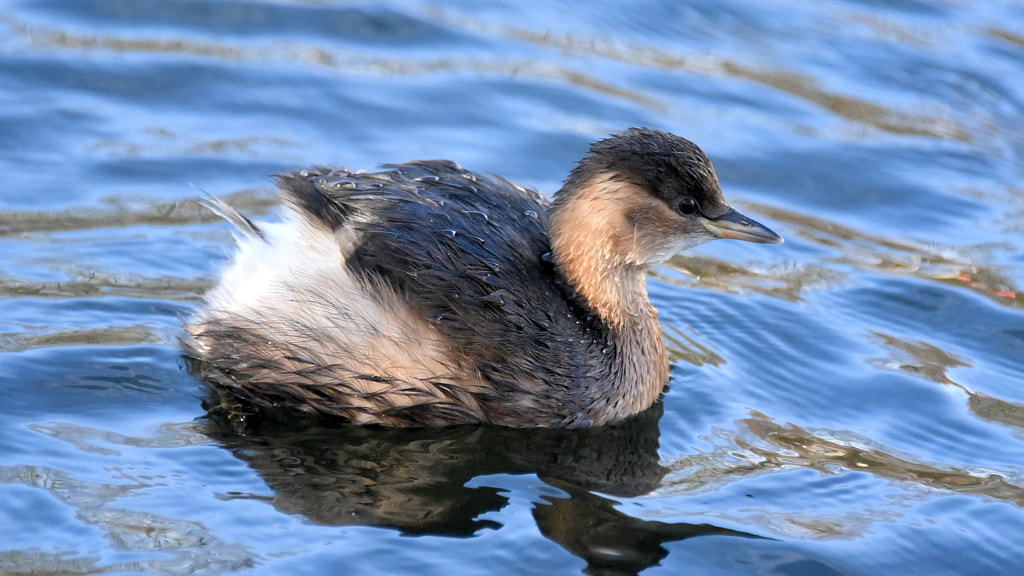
851, 402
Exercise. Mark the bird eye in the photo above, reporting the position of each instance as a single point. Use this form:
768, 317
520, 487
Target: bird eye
687, 207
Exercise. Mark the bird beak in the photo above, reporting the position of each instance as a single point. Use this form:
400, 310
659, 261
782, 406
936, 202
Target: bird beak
735, 225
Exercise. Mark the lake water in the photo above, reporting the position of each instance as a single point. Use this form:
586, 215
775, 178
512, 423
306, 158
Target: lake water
850, 402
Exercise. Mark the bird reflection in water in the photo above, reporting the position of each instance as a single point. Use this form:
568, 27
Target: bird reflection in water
418, 481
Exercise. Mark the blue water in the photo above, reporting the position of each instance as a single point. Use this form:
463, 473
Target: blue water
850, 402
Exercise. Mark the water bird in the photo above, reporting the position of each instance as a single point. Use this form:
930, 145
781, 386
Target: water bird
425, 294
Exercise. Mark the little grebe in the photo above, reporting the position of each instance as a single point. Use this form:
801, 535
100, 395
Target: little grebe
429, 295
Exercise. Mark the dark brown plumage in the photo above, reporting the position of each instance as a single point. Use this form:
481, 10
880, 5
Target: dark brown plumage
426, 294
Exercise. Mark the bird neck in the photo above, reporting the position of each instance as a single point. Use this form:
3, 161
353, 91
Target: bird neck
592, 244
